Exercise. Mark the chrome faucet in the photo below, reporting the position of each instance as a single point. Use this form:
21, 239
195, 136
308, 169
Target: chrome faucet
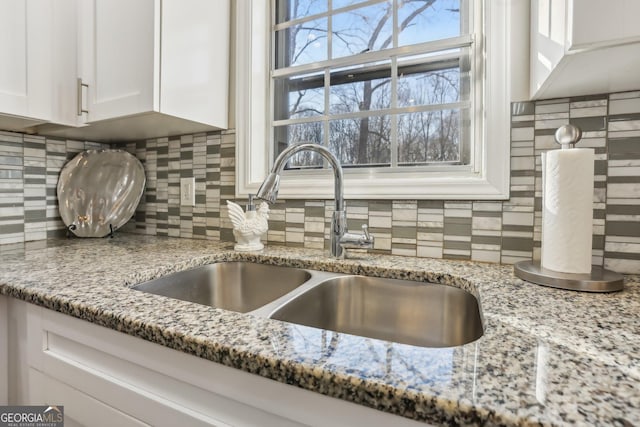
341, 239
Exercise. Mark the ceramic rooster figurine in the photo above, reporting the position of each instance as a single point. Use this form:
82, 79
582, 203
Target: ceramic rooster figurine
248, 226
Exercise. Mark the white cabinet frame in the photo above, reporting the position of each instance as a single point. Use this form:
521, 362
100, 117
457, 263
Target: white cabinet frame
91, 369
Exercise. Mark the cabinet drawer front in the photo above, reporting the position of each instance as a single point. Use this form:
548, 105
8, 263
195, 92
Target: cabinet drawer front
80, 409
129, 374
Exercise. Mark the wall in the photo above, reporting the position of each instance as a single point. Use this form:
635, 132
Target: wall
209, 158
29, 169
500, 231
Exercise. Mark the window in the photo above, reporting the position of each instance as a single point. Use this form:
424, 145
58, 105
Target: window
411, 95
381, 83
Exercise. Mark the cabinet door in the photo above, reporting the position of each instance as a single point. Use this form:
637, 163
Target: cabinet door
195, 60
119, 45
25, 86
596, 23
583, 47
65, 71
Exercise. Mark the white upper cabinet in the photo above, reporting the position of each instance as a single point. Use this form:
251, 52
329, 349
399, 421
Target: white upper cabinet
114, 70
65, 64
120, 57
582, 47
194, 82
153, 67
25, 95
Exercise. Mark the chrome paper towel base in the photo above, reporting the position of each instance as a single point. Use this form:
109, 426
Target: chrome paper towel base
600, 280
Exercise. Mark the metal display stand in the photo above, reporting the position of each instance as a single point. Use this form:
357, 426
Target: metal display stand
72, 227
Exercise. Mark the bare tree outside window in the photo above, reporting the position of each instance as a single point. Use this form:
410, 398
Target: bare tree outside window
380, 83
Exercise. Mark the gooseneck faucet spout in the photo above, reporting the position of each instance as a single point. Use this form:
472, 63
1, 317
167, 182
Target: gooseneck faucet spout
269, 192
269, 189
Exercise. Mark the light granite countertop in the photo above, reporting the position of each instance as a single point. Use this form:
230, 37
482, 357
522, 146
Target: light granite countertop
548, 357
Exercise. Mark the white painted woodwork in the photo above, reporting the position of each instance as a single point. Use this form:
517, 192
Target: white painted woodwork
4, 351
119, 65
583, 47
65, 65
595, 22
131, 128
153, 68
25, 95
505, 39
195, 61
17, 349
97, 372
84, 411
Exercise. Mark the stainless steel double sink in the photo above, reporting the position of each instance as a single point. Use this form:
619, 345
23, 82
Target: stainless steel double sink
402, 311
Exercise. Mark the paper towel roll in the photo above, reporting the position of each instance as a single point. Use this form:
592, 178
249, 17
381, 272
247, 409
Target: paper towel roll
567, 210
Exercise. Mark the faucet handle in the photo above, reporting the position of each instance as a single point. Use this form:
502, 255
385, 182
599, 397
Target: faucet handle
365, 231
357, 241
367, 239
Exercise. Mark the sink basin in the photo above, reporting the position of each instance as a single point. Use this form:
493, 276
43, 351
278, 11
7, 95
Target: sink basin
235, 286
415, 313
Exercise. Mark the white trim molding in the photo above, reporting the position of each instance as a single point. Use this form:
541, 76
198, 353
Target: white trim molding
4, 351
502, 41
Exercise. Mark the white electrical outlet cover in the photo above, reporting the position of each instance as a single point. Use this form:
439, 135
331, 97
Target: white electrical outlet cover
187, 191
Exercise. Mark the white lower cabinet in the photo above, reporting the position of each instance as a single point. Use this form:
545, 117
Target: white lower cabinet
4, 351
106, 378
85, 410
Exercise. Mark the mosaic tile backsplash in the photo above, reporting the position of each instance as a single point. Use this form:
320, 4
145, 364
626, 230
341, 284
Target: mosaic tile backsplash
500, 231
29, 170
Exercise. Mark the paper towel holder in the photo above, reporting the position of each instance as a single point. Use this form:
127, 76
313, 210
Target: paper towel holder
568, 136
599, 280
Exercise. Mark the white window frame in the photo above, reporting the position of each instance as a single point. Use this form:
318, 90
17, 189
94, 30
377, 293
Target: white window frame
489, 179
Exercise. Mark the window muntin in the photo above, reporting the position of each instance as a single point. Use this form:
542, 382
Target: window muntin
300, 97
288, 11
400, 98
302, 43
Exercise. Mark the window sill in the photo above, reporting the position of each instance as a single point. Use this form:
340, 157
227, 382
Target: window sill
319, 185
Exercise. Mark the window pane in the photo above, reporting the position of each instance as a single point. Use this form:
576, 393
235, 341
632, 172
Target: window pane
435, 78
425, 77
302, 43
360, 88
287, 10
422, 21
285, 136
431, 136
361, 142
299, 96
435, 87
360, 30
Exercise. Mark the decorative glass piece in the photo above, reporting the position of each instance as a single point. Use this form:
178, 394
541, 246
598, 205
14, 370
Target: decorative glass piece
99, 190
